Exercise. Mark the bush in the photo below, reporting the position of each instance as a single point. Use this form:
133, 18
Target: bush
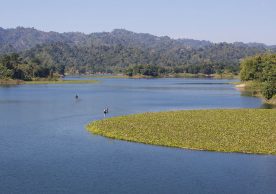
5, 73
268, 90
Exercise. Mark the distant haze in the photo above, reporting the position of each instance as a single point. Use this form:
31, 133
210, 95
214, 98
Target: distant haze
213, 20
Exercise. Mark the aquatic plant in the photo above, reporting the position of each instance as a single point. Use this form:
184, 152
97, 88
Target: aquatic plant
231, 130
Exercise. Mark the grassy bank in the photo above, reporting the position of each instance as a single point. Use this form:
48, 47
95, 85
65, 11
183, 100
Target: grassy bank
62, 82
240, 130
17, 82
10, 82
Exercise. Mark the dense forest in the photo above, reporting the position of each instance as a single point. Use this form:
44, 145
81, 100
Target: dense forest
261, 69
44, 54
14, 67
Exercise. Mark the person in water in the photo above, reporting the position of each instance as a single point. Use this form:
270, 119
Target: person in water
76, 96
105, 112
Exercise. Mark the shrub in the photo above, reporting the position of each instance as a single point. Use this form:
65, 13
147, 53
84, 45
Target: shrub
268, 90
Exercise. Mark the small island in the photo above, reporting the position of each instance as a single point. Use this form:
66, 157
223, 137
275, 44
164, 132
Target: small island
230, 130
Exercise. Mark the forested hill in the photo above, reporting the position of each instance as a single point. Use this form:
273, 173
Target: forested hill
20, 39
101, 57
120, 49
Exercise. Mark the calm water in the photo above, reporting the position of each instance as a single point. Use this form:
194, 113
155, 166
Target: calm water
44, 147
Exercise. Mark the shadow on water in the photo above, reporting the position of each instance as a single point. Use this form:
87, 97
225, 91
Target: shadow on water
268, 106
253, 95
248, 93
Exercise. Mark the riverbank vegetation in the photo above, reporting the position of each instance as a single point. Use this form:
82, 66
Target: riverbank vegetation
217, 71
14, 67
14, 70
241, 130
259, 76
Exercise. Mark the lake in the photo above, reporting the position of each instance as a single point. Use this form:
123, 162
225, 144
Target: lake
45, 148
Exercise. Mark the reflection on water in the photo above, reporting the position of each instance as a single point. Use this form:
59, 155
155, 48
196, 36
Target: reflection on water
253, 95
247, 93
45, 148
268, 106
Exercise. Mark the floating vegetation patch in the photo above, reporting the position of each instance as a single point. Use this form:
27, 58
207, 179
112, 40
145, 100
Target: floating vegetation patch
231, 130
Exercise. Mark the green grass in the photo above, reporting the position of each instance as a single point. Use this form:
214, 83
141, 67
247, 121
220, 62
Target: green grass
62, 82
237, 130
10, 82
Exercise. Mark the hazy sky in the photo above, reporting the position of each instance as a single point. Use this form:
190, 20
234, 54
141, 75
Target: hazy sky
214, 20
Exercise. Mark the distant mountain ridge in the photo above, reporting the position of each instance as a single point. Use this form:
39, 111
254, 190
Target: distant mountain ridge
21, 39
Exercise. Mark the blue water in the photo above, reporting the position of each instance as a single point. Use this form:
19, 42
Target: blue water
44, 147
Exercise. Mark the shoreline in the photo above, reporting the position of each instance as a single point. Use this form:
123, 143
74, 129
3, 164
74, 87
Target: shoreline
175, 75
37, 82
45, 81
253, 88
62, 82
11, 82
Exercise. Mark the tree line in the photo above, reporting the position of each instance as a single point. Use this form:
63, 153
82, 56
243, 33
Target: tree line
261, 69
117, 58
15, 67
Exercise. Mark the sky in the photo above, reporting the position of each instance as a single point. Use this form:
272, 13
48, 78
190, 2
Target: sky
213, 20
